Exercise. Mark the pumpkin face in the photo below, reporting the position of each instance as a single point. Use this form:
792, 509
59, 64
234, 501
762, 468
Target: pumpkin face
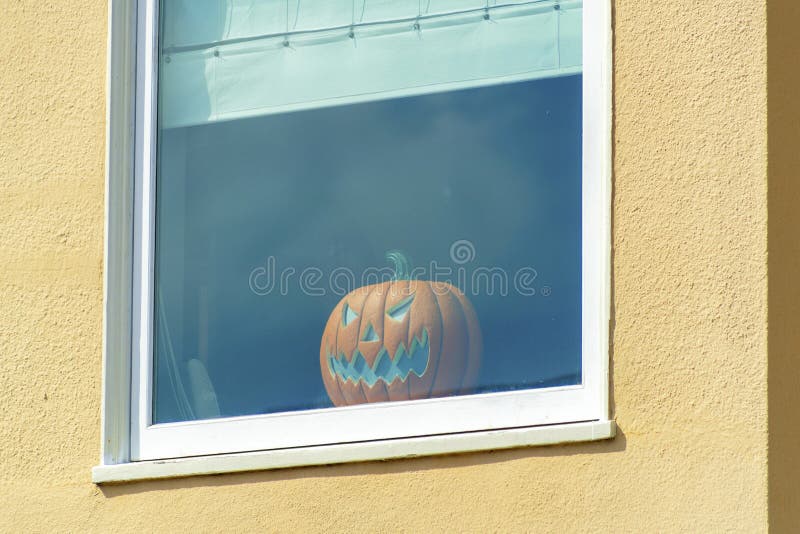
400, 340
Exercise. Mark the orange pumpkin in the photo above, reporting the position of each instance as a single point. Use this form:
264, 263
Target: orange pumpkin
400, 340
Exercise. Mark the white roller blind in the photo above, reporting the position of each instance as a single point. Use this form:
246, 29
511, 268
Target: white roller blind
227, 59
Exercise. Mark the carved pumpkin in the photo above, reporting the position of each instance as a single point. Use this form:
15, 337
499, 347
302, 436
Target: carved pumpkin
400, 340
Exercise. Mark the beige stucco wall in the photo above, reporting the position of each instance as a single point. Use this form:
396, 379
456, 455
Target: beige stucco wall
689, 355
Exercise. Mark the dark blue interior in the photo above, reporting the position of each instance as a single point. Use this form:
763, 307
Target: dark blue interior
337, 187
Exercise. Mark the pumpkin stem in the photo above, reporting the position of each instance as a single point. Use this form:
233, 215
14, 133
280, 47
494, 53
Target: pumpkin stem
401, 264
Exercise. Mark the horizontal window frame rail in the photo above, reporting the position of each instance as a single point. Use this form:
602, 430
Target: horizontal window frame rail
355, 452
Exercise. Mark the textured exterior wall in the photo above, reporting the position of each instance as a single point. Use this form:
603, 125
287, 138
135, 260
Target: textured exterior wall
689, 356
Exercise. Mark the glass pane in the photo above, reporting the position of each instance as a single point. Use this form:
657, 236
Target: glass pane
426, 245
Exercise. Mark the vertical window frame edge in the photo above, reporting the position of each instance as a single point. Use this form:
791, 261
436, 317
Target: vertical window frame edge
118, 413
118, 227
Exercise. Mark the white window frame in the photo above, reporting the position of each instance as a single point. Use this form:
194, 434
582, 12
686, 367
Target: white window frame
134, 448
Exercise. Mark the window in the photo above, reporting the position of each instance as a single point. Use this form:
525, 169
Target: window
355, 221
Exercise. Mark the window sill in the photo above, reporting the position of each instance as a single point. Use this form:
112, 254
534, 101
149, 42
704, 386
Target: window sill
355, 452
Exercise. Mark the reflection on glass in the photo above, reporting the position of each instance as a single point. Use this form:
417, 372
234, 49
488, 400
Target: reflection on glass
263, 224
273, 288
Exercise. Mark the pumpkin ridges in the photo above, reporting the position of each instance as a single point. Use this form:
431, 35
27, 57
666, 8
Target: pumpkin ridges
441, 340
419, 387
465, 363
348, 338
360, 385
330, 382
475, 340
454, 343
397, 333
376, 300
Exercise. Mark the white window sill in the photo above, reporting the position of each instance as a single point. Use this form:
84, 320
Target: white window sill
355, 452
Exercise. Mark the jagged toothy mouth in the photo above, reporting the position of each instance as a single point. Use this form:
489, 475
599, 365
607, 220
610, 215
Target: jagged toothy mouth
386, 368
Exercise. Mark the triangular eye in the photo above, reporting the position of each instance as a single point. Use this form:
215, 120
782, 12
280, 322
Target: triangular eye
348, 315
369, 334
399, 311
